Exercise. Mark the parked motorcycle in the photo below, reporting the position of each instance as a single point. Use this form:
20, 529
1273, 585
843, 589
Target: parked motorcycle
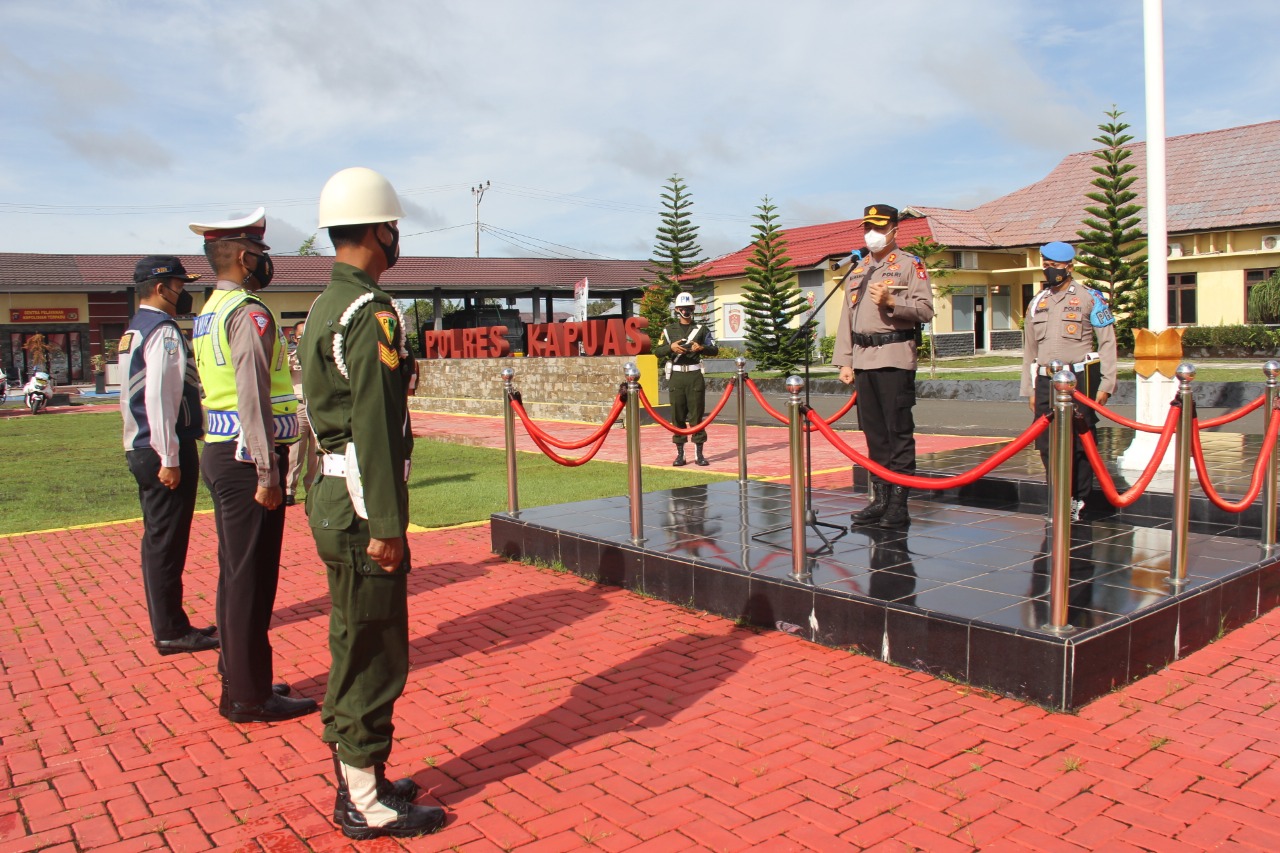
36, 392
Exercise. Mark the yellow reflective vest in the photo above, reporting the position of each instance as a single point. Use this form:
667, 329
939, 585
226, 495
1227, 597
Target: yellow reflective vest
218, 377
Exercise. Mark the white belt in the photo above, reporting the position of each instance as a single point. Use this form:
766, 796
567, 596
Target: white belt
685, 368
1078, 367
335, 465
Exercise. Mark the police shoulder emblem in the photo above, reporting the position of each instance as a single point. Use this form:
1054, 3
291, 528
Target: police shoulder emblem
126, 342
260, 322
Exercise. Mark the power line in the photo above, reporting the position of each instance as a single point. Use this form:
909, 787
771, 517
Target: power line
494, 228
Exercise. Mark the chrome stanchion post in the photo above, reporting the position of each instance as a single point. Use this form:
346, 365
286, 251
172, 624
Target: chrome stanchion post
1269, 493
795, 387
509, 427
635, 494
742, 418
1060, 453
1182, 478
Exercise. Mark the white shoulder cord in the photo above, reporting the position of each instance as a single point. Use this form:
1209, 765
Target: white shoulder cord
343, 321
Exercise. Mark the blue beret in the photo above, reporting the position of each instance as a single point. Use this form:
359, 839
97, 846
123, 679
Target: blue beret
1058, 252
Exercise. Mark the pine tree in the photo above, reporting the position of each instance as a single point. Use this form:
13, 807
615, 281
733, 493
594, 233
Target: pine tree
675, 252
1112, 256
772, 299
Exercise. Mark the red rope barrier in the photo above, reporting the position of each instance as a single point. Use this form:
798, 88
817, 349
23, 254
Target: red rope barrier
1231, 416
1259, 468
764, 404
939, 483
1110, 415
1104, 476
536, 432
706, 422
569, 463
853, 398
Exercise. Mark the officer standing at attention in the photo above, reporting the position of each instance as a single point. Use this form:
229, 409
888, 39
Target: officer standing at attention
685, 344
1063, 321
162, 420
357, 375
887, 297
250, 419
302, 453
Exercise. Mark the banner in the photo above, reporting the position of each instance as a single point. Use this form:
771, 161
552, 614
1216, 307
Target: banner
44, 315
580, 297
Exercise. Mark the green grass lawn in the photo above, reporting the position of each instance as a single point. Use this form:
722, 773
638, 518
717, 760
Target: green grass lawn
65, 469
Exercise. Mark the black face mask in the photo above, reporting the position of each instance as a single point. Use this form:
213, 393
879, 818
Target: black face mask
391, 251
1054, 276
263, 272
183, 303
684, 313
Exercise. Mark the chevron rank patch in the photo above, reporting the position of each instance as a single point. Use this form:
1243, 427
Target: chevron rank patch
387, 320
388, 356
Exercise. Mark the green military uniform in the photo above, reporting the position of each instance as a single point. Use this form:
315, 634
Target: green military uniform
686, 387
357, 374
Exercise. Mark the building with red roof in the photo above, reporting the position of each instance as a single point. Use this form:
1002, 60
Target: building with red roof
1223, 223
81, 302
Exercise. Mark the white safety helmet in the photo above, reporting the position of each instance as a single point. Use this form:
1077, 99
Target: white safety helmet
358, 196
684, 300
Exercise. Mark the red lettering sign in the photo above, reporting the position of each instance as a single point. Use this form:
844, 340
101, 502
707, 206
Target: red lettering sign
543, 340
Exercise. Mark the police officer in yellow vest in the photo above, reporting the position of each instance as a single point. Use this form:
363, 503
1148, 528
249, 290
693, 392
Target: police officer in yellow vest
250, 419
357, 373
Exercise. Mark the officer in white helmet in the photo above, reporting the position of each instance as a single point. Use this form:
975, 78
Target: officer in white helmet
685, 343
357, 373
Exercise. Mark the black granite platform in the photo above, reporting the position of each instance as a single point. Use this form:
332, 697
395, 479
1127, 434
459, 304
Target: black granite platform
961, 593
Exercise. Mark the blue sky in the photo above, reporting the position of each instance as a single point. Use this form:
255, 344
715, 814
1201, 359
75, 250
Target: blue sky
124, 120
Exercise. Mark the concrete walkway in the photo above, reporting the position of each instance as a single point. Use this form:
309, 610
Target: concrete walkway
548, 714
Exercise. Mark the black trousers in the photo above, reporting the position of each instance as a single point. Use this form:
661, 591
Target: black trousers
886, 398
249, 540
166, 531
1085, 419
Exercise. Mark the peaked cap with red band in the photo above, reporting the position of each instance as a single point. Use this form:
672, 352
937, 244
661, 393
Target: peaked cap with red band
252, 227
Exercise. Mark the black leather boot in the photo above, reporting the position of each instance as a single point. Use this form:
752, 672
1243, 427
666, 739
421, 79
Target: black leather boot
373, 811
872, 512
895, 514
700, 459
679, 456
404, 789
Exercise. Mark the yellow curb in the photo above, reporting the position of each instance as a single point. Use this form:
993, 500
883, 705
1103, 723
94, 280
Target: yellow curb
92, 526
414, 528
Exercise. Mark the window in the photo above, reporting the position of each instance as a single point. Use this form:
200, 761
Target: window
962, 307
1001, 307
1252, 278
1182, 299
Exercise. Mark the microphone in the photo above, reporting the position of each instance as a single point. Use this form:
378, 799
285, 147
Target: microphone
854, 257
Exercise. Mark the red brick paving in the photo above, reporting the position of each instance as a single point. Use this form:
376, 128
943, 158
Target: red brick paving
547, 713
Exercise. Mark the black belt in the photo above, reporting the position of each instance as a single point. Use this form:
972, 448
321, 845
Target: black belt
879, 340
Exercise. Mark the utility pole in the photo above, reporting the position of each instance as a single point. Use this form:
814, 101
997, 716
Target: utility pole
477, 193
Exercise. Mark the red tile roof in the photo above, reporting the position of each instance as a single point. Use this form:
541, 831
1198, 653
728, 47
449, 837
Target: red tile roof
1216, 180
810, 245
516, 275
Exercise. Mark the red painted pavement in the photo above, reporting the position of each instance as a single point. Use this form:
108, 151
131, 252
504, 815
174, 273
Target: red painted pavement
767, 454
547, 713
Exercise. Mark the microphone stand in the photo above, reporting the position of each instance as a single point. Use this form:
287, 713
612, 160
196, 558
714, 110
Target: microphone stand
811, 517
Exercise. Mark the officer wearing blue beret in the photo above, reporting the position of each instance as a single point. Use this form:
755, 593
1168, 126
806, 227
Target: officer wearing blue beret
1068, 322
